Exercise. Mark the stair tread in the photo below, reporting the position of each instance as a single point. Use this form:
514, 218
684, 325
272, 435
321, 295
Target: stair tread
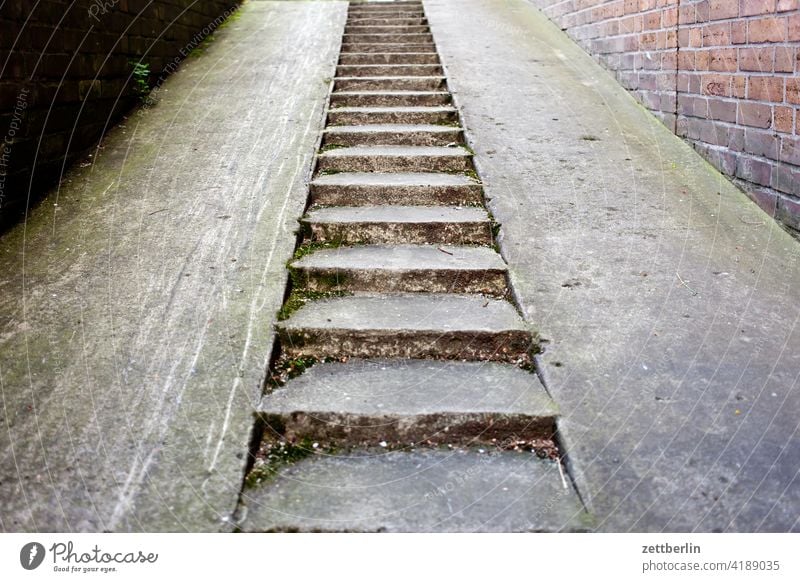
423, 490
404, 258
384, 150
387, 92
409, 312
394, 179
446, 109
397, 214
393, 127
412, 387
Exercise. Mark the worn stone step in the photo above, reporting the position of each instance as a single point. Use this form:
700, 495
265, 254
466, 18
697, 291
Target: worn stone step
437, 326
389, 84
401, 402
389, 71
386, 21
390, 98
363, 189
395, 159
403, 268
459, 225
405, 58
386, 38
385, 47
386, 29
385, 11
392, 115
424, 490
393, 134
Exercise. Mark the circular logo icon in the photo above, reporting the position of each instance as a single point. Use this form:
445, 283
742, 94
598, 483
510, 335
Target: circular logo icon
31, 555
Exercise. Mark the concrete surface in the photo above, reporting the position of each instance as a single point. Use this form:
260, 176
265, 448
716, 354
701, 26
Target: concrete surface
136, 303
669, 300
425, 490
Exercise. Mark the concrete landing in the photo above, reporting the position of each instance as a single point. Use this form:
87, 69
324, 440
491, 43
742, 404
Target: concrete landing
426, 490
669, 299
136, 303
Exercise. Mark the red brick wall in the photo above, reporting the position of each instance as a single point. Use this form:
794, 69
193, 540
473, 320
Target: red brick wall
723, 74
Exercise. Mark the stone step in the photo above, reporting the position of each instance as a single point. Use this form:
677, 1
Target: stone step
361, 189
405, 58
390, 98
393, 134
403, 268
458, 225
385, 11
386, 38
389, 84
436, 326
395, 159
392, 115
400, 402
386, 47
381, 21
387, 29
424, 490
389, 71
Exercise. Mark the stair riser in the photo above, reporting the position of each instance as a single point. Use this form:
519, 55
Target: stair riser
507, 346
358, 14
407, 138
453, 233
384, 117
487, 281
419, 58
389, 84
389, 48
396, 29
389, 71
337, 195
376, 163
373, 21
456, 429
366, 100
392, 38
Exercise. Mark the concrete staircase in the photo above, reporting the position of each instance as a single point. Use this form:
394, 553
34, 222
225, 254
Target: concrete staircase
417, 409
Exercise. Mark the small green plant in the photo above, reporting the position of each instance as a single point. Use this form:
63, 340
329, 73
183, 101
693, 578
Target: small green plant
141, 79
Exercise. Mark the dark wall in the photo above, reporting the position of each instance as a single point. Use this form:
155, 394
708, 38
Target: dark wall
67, 74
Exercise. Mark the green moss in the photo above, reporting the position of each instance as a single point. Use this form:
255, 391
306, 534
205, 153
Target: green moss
275, 456
299, 297
331, 146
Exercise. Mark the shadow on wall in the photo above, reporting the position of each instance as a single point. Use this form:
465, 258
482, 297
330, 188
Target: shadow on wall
70, 70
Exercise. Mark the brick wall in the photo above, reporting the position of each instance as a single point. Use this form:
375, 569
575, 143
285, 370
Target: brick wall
66, 76
723, 74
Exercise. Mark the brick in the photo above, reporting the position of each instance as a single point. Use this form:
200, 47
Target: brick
719, 85
722, 110
757, 59
790, 150
719, 9
739, 86
785, 59
786, 5
717, 34
793, 90
761, 143
738, 32
782, 119
723, 60
794, 27
754, 170
788, 212
786, 179
765, 88
755, 115
773, 29
755, 7
765, 199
